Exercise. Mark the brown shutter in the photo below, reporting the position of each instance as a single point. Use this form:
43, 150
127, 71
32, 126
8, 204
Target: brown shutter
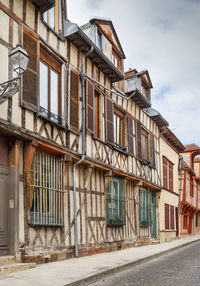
139, 143
166, 216
109, 121
170, 176
30, 77
164, 172
90, 105
172, 217
152, 150
130, 135
74, 83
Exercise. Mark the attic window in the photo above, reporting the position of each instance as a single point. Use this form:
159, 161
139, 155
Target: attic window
53, 17
146, 91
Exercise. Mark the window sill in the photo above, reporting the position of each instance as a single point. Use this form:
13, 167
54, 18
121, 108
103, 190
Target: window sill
146, 162
60, 36
97, 139
120, 149
51, 118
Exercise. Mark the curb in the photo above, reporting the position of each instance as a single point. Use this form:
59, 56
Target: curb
98, 276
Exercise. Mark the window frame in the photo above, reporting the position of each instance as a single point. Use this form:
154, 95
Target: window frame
53, 66
144, 207
191, 186
116, 202
58, 18
168, 180
119, 115
46, 193
171, 217
144, 134
97, 114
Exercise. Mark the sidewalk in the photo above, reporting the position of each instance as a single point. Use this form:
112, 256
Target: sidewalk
81, 271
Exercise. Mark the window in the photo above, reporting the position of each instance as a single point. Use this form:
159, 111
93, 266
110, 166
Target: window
196, 220
184, 222
144, 207
169, 217
116, 202
96, 114
116, 60
145, 145
145, 90
167, 174
46, 189
191, 186
118, 128
50, 87
99, 40
53, 17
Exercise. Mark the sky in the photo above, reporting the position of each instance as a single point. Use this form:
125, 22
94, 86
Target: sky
164, 38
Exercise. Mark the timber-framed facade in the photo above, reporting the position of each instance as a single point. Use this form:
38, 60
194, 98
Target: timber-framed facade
80, 143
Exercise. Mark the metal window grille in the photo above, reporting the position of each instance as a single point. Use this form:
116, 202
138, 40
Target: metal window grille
144, 208
46, 190
116, 203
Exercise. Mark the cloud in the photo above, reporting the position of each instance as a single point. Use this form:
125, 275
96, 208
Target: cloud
163, 37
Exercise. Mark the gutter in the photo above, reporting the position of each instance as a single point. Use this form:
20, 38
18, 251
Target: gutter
83, 80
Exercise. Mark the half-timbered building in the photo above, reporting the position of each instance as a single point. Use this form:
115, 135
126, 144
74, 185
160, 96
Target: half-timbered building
190, 190
80, 160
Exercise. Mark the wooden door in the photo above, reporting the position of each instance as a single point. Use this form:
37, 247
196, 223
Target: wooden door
190, 225
153, 215
3, 210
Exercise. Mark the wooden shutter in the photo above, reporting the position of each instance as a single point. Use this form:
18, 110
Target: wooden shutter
139, 143
152, 150
90, 105
109, 121
30, 77
164, 172
130, 135
170, 176
74, 83
172, 217
166, 216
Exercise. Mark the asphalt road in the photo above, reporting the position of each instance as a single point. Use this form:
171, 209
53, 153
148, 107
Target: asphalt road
180, 268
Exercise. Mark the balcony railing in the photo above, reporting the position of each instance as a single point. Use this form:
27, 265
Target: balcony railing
51, 117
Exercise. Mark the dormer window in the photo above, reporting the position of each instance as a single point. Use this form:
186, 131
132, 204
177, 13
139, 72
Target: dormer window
99, 40
53, 17
115, 59
145, 90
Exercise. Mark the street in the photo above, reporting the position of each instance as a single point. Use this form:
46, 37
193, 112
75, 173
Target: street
181, 267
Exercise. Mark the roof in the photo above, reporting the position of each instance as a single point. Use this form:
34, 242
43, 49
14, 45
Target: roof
134, 73
77, 37
44, 5
157, 117
192, 147
105, 21
172, 139
139, 98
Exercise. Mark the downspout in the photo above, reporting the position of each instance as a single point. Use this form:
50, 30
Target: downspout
179, 201
83, 80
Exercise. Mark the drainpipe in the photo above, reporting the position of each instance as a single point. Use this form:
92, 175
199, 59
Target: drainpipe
179, 201
83, 80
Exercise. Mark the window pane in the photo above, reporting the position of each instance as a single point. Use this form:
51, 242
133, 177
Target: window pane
60, 17
115, 128
43, 85
45, 17
52, 18
54, 92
